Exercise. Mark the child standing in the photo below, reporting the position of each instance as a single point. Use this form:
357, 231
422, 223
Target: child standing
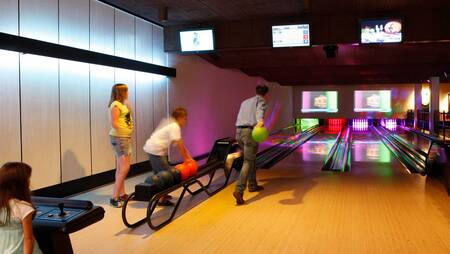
16, 211
120, 136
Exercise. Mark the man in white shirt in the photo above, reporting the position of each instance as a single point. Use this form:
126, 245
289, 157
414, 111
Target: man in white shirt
157, 146
251, 114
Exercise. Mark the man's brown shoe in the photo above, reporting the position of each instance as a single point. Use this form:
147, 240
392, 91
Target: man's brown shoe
238, 197
258, 188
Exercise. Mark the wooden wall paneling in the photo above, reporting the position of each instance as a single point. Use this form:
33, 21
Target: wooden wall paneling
101, 81
75, 120
143, 112
144, 88
9, 85
74, 92
39, 20
124, 37
9, 16
160, 110
159, 82
74, 23
10, 107
40, 118
101, 28
159, 56
144, 41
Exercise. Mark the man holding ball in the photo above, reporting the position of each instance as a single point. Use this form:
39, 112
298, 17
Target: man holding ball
251, 115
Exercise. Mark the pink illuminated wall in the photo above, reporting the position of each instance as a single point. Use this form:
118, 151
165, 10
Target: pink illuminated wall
213, 95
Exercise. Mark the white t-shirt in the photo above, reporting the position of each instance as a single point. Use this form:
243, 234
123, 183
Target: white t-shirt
162, 138
11, 235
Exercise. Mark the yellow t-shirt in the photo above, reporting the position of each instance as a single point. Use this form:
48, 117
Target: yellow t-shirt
125, 121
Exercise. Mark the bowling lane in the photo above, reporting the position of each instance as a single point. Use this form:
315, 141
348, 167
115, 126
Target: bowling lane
370, 155
277, 138
415, 139
312, 154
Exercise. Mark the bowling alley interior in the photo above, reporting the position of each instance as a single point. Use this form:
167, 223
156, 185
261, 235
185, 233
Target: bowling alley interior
250, 126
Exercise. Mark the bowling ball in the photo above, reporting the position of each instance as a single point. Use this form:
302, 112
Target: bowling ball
165, 179
259, 134
154, 180
176, 175
192, 166
184, 171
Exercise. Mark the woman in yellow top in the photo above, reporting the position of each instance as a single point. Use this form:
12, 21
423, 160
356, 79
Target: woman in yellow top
120, 135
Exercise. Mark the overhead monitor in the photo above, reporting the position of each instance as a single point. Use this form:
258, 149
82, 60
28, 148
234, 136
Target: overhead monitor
319, 101
381, 30
197, 41
297, 35
373, 101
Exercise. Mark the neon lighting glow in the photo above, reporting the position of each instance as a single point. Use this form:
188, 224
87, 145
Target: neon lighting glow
306, 123
360, 124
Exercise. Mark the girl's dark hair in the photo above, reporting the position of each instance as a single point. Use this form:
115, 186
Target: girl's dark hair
118, 93
14, 184
179, 112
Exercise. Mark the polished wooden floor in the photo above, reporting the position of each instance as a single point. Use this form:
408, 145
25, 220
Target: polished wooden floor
376, 208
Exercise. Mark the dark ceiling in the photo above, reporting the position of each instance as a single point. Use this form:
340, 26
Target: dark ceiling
426, 50
203, 11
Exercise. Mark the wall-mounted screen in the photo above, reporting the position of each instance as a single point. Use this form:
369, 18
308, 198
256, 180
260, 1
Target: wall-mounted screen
319, 101
381, 31
373, 101
201, 40
291, 36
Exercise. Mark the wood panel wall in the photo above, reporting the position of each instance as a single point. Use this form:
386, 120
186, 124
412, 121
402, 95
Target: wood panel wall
55, 112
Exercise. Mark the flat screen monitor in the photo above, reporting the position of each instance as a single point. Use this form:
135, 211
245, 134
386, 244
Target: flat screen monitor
319, 101
381, 30
291, 36
373, 101
201, 40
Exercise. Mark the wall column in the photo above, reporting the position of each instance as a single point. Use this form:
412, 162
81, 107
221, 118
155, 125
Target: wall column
434, 103
417, 103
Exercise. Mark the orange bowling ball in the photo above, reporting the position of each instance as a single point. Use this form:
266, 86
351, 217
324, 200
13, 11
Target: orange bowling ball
192, 166
184, 171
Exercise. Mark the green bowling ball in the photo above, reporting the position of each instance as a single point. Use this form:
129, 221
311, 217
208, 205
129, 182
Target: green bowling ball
165, 179
259, 134
176, 175
154, 180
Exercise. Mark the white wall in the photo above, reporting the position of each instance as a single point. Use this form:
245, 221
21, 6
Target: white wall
213, 95
54, 112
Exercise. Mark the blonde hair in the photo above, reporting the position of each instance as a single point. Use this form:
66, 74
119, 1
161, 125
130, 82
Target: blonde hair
118, 92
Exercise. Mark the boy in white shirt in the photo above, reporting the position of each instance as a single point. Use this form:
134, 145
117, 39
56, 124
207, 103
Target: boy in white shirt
157, 146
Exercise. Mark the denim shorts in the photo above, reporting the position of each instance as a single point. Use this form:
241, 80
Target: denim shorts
121, 146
